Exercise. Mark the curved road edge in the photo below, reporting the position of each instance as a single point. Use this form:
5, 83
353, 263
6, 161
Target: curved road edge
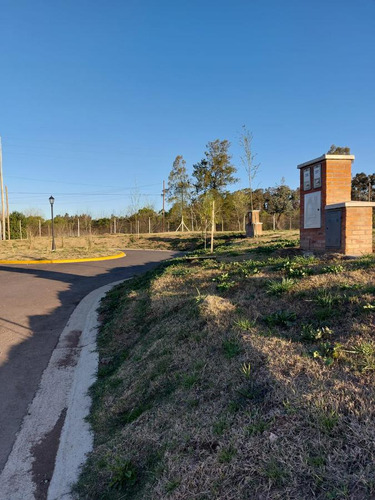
54, 438
65, 261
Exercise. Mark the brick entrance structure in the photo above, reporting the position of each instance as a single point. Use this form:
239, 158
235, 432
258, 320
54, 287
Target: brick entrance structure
254, 227
329, 220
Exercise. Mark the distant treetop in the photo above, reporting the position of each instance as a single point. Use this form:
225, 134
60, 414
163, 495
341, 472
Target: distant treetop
338, 150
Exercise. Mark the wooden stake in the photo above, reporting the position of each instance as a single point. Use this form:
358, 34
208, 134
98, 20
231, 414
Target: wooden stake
163, 223
2, 194
20, 225
8, 219
40, 228
212, 226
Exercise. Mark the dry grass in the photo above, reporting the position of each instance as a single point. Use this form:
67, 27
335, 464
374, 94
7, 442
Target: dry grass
211, 387
36, 248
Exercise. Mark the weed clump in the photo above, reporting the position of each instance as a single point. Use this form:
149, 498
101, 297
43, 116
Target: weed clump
275, 287
281, 318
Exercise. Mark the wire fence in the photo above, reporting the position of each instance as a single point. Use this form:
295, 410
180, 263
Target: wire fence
75, 227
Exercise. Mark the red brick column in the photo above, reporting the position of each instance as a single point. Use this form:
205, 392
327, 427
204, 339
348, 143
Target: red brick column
357, 230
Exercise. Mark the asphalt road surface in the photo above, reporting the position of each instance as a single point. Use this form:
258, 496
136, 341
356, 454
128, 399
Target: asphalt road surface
36, 302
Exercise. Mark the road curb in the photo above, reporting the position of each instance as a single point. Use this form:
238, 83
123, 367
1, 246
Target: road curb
62, 398
65, 261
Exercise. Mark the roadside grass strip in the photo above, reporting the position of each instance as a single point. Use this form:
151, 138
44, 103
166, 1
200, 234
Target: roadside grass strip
247, 375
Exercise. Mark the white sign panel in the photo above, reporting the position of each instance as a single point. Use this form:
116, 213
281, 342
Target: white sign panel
318, 176
306, 179
312, 215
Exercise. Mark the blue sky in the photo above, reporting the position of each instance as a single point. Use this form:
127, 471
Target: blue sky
98, 97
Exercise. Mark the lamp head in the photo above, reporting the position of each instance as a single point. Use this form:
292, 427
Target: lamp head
51, 200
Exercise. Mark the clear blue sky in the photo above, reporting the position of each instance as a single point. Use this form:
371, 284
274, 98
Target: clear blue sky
97, 97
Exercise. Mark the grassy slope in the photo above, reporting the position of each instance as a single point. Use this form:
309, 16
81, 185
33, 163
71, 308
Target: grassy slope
249, 376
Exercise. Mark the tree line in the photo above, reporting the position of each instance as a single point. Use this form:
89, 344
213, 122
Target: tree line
196, 199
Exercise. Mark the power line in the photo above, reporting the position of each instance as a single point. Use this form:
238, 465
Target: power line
79, 183
82, 194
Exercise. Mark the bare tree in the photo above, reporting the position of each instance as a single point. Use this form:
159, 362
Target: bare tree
247, 159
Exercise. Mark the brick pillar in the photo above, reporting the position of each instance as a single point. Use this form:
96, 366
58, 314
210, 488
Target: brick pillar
323, 181
254, 227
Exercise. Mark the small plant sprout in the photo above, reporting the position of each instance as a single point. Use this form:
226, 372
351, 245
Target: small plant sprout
245, 324
223, 282
246, 370
275, 287
365, 353
281, 318
369, 307
123, 473
328, 352
199, 297
333, 269
231, 348
312, 334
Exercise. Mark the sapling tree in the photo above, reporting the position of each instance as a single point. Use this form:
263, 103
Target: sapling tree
248, 160
179, 187
214, 172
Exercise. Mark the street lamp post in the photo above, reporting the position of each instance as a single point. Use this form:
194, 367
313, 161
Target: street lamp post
52, 200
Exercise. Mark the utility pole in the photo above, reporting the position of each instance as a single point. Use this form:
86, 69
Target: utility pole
20, 226
163, 220
114, 225
40, 228
78, 229
8, 219
149, 225
2, 193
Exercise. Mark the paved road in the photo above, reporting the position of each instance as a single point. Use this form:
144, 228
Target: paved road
36, 302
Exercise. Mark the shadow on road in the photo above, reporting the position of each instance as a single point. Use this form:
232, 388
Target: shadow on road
26, 360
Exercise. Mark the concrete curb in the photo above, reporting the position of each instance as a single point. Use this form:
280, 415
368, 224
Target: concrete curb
64, 261
62, 398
